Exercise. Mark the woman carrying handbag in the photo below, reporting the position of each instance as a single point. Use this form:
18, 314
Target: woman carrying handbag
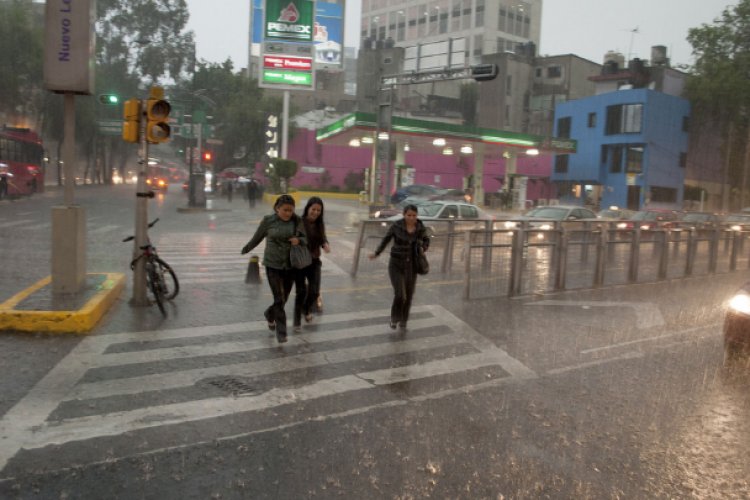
407, 234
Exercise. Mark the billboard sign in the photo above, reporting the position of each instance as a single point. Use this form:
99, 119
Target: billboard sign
289, 20
287, 62
327, 32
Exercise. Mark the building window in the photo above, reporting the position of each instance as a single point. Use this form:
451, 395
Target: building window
508, 85
478, 41
554, 72
538, 72
624, 119
561, 164
683, 160
479, 14
592, 120
615, 159
456, 15
466, 23
563, 127
634, 159
661, 194
501, 19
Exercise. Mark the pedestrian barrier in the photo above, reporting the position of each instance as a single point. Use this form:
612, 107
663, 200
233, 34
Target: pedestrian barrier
509, 258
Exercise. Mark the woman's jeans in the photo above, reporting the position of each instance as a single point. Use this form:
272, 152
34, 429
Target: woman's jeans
308, 290
404, 280
280, 281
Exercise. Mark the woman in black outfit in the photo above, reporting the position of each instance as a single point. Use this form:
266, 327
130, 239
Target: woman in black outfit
308, 279
408, 234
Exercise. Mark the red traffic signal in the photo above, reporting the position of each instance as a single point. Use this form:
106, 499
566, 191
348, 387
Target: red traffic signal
207, 157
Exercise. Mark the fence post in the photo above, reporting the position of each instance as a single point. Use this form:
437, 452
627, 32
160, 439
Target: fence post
735, 251
516, 261
677, 241
601, 256
561, 260
448, 252
585, 243
635, 247
487, 252
357, 247
690, 252
713, 251
467, 265
662, 272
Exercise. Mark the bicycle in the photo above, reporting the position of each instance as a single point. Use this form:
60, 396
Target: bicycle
161, 279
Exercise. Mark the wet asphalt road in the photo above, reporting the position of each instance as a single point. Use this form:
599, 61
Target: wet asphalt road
616, 393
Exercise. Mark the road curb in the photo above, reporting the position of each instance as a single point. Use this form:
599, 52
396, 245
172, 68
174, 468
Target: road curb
76, 321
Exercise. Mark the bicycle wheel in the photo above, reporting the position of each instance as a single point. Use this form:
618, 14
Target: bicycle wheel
155, 284
169, 279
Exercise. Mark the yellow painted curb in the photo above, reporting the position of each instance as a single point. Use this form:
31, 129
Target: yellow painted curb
79, 321
298, 195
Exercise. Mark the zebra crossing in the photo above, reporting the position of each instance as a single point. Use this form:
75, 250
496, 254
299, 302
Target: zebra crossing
203, 259
135, 382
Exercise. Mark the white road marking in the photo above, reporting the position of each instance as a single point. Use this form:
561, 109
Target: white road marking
647, 315
651, 339
103, 229
19, 222
26, 425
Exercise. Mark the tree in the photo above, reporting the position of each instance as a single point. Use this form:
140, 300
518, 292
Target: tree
279, 172
718, 90
20, 63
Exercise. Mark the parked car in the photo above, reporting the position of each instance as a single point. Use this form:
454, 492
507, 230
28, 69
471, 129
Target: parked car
544, 217
397, 209
614, 213
737, 322
651, 219
415, 190
737, 222
434, 211
700, 220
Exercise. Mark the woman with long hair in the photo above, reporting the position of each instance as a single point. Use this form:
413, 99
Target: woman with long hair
308, 279
409, 235
282, 229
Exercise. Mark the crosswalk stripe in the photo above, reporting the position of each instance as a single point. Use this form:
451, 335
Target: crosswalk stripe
187, 378
102, 229
20, 222
120, 422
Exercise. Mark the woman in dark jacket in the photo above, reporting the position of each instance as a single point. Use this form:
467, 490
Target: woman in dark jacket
308, 279
408, 235
282, 230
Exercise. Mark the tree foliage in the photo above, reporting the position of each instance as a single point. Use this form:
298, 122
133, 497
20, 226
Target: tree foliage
718, 84
20, 62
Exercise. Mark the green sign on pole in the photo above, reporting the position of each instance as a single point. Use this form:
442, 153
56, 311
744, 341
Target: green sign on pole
287, 77
289, 20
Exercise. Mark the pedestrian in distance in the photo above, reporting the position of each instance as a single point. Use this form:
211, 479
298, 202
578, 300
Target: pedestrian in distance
230, 188
308, 279
252, 192
282, 229
408, 235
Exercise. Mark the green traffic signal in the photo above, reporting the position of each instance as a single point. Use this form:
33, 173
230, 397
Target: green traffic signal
109, 99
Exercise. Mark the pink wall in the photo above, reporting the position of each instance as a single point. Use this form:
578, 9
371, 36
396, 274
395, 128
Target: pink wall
340, 160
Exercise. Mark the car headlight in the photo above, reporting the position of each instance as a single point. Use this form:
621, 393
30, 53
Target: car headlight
376, 214
740, 303
736, 227
622, 225
545, 227
509, 224
645, 227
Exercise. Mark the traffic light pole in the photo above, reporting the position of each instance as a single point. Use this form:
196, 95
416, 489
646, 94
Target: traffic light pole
141, 217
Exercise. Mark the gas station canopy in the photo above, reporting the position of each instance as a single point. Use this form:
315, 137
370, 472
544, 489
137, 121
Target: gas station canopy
359, 129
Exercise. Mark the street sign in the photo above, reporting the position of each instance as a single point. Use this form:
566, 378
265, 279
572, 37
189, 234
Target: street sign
286, 62
109, 127
287, 77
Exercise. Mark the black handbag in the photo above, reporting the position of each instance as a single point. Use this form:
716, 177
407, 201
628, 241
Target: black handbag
299, 256
421, 264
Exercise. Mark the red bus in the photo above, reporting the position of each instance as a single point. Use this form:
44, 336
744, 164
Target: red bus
22, 162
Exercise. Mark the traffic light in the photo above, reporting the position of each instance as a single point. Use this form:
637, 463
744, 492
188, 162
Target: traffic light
207, 157
157, 115
109, 98
131, 127
484, 72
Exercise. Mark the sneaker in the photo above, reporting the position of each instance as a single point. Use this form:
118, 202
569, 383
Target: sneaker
281, 337
393, 325
297, 328
272, 325
308, 317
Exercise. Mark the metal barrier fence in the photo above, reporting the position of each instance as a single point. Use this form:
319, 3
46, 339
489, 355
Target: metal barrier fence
497, 261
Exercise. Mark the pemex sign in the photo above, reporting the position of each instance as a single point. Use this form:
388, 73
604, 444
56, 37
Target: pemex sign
289, 20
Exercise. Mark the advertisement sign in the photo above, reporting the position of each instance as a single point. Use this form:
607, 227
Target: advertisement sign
289, 20
282, 77
69, 46
287, 62
328, 32
273, 144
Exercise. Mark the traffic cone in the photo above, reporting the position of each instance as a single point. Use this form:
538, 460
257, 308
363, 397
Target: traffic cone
253, 270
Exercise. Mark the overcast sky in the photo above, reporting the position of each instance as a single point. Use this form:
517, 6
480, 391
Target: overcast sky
588, 28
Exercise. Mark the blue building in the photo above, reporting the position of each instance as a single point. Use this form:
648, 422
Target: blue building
632, 149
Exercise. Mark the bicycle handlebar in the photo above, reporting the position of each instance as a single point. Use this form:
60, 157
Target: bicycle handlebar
150, 225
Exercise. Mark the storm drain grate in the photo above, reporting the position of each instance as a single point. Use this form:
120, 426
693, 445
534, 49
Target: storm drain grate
234, 386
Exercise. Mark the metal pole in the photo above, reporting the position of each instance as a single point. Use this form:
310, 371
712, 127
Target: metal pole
69, 160
191, 151
141, 218
285, 125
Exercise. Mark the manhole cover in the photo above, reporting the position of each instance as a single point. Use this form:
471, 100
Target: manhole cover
234, 386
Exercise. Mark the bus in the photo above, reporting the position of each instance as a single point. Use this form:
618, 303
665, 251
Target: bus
22, 163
